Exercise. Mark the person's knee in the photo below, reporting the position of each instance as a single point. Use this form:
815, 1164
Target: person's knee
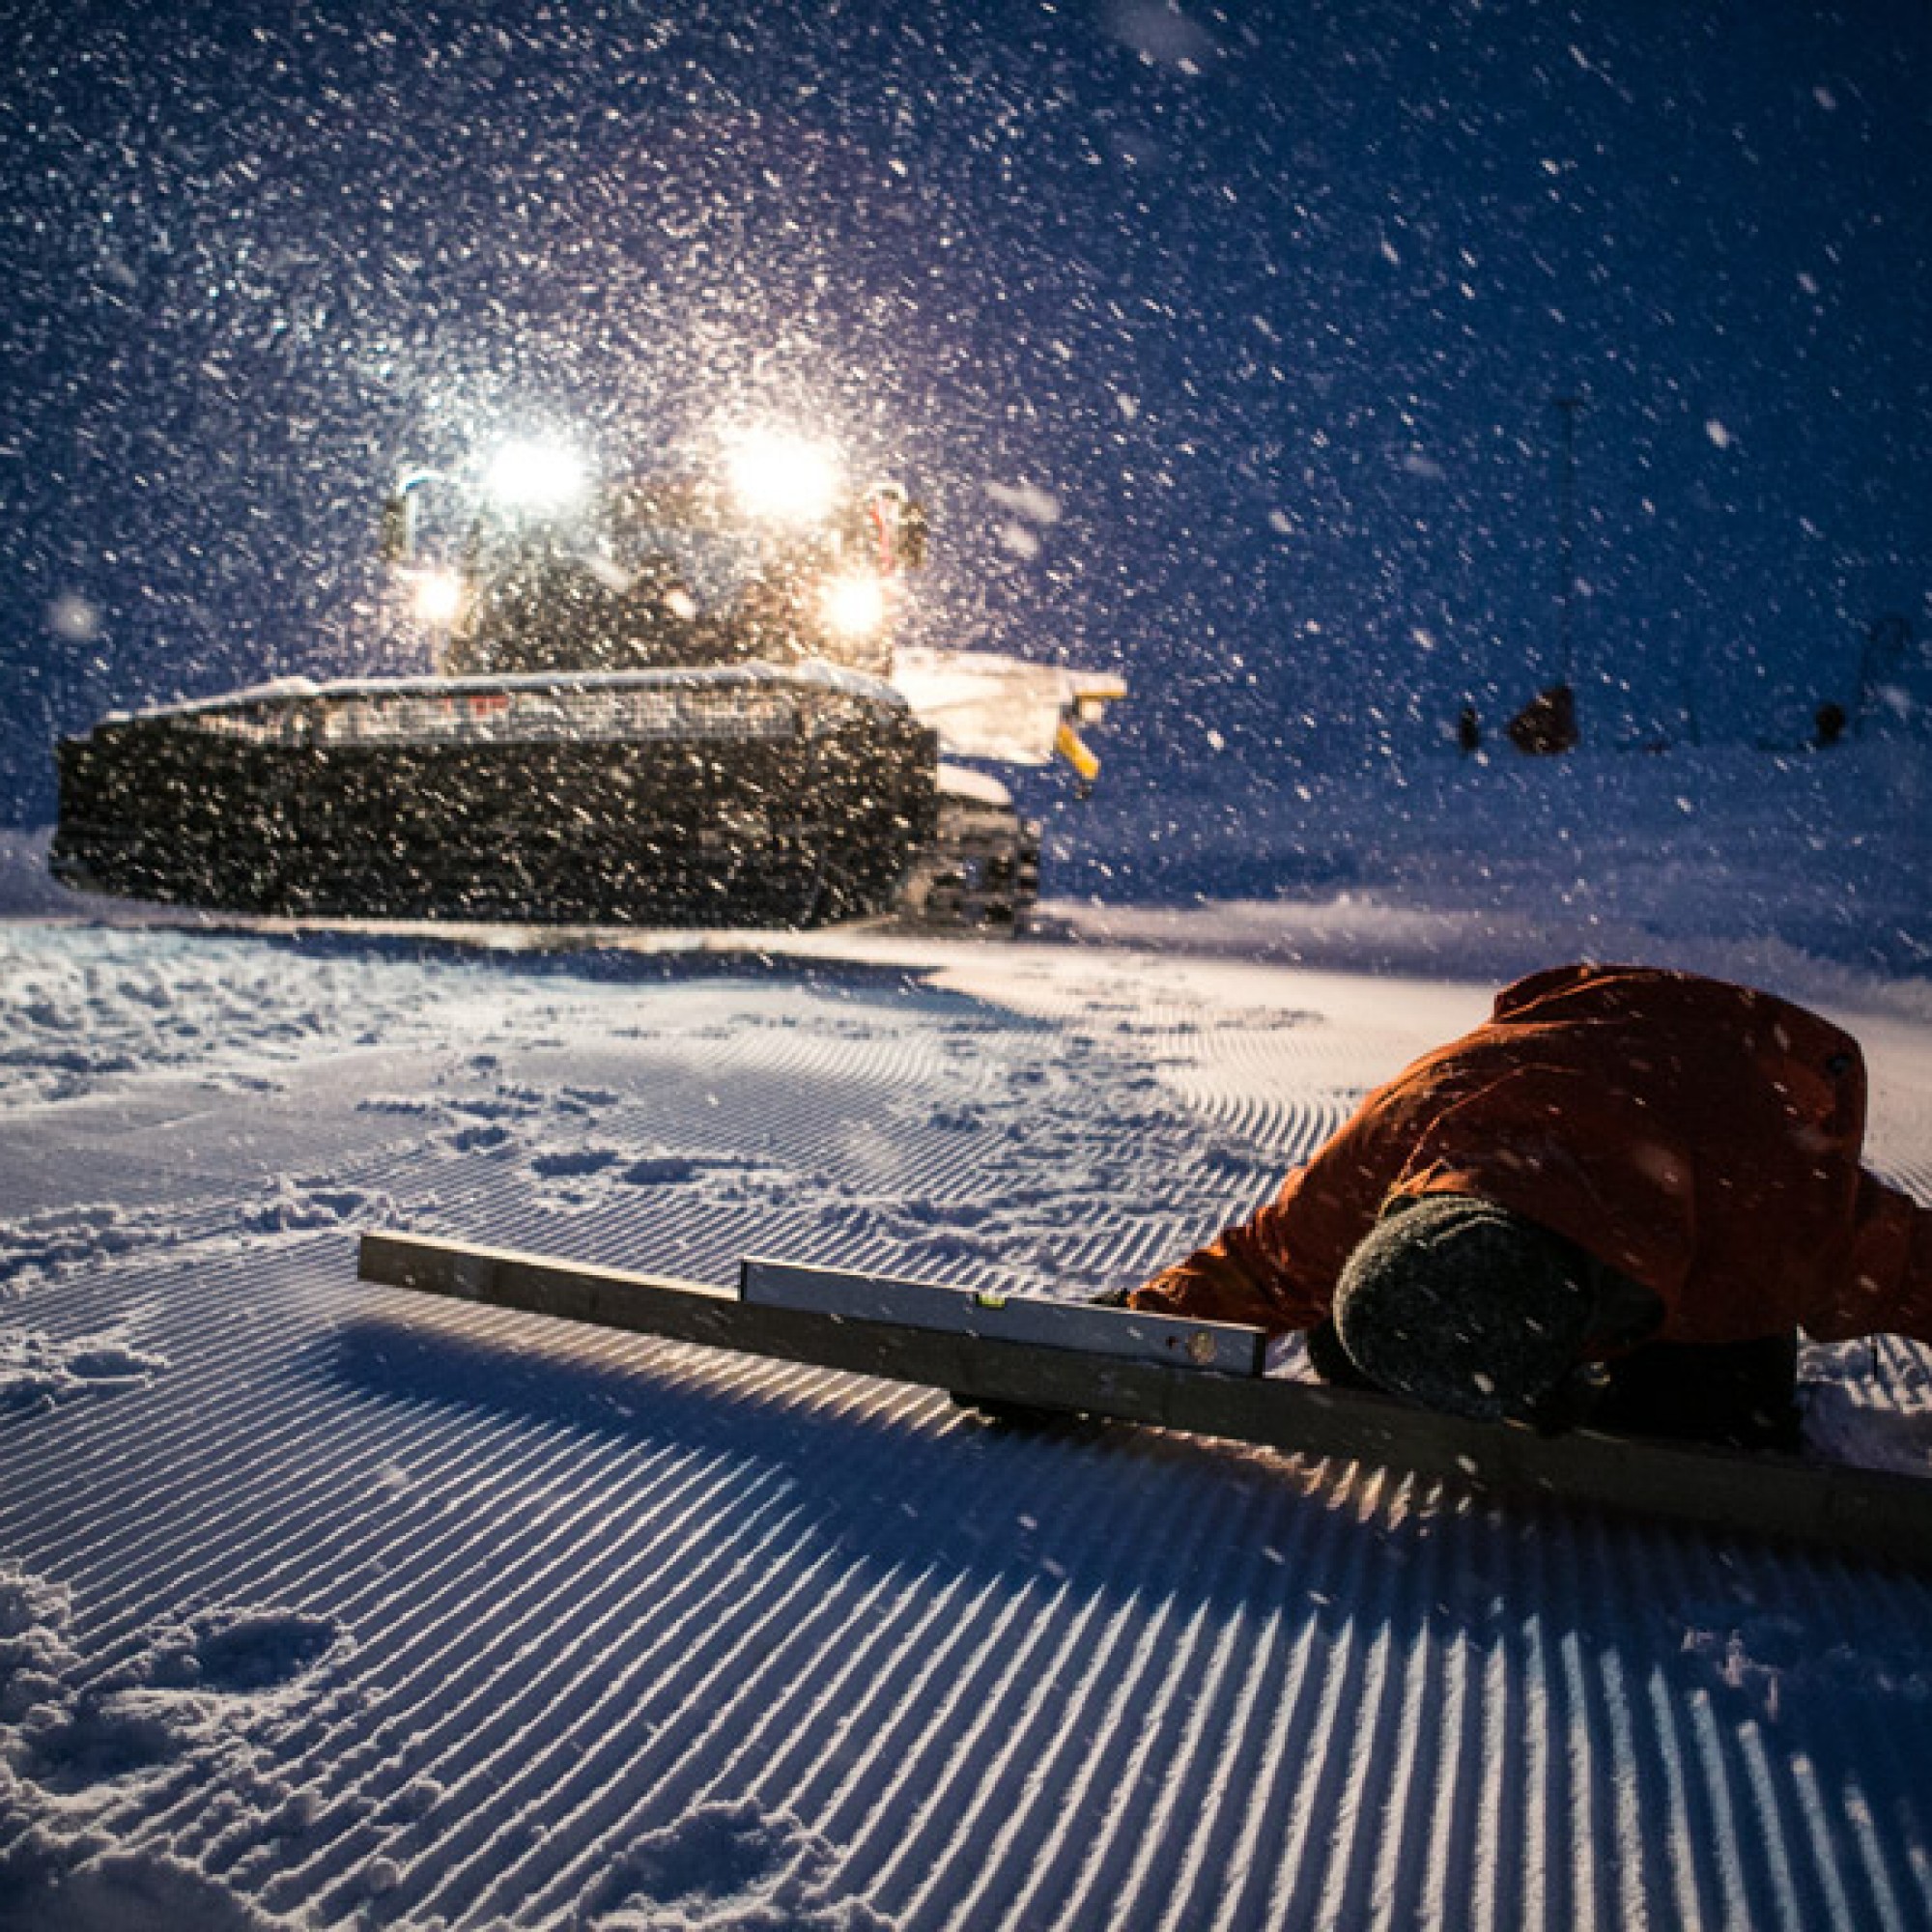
1464, 1307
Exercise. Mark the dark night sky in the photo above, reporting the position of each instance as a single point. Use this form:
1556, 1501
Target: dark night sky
1271, 300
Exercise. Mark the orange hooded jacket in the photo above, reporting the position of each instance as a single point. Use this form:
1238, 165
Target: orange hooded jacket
1698, 1137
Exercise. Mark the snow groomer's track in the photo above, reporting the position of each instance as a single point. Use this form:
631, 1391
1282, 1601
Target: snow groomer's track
326, 1606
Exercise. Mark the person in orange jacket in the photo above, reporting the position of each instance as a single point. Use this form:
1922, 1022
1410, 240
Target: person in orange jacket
1627, 1192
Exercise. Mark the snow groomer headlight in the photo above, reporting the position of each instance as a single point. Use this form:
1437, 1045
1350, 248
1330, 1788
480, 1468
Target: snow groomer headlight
436, 596
853, 607
787, 478
543, 480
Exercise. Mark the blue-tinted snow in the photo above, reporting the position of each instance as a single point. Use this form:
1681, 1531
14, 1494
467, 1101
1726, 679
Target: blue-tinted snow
1224, 343
322, 1607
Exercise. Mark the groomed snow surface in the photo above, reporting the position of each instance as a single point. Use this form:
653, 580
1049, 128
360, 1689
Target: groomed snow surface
323, 1605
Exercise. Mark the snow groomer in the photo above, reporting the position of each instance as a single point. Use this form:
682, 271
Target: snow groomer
1620, 1198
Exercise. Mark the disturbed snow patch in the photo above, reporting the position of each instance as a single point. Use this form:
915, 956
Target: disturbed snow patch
301, 1206
194, 1682
37, 1370
728, 1868
89, 1012
41, 1247
58, 1237
181, 1713
1842, 1422
1778, 1668
35, 1655
106, 1889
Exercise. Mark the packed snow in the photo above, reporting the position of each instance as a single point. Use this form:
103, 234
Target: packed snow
1336, 388
322, 1604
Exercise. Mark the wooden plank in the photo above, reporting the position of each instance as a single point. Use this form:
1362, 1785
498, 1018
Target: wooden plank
1871, 1513
1031, 1319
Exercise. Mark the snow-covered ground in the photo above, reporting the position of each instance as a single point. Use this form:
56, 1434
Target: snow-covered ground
1809, 872
323, 1605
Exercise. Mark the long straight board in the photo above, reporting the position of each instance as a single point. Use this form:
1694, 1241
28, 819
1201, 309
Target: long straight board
1870, 1512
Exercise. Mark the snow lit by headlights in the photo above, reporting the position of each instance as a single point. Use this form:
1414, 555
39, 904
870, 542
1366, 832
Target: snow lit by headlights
786, 478
73, 617
437, 596
537, 476
855, 606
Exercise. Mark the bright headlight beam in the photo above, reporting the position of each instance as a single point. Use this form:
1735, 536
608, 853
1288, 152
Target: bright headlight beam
437, 596
854, 607
538, 476
785, 477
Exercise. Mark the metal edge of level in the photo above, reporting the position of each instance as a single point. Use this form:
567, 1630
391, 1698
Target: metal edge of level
1033, 1319
1872, 1513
